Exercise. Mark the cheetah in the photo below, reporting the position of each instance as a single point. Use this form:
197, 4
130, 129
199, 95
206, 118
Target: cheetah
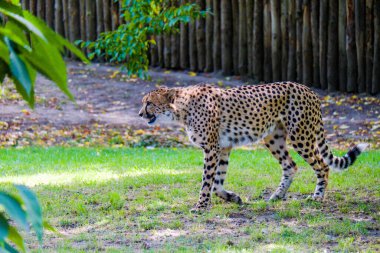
218, 119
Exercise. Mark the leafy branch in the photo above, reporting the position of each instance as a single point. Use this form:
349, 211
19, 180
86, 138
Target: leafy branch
144, 19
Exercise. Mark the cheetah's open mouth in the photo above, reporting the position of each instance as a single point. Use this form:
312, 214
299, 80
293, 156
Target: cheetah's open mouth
152, 119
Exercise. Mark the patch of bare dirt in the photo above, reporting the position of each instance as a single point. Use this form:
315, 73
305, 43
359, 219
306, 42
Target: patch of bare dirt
107, 103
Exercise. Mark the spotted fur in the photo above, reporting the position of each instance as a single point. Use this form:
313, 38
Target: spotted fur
219, 119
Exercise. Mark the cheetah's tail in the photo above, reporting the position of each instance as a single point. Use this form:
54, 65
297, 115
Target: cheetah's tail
341, 163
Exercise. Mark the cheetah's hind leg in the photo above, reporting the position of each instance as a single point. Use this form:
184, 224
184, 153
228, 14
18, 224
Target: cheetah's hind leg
276, 143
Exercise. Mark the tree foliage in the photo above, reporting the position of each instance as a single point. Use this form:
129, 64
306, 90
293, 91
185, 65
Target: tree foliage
27, 47
144, 19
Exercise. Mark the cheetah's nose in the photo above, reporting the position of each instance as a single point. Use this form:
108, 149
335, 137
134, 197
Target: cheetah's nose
140, 114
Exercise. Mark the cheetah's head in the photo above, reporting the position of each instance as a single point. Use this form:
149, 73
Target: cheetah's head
158, 104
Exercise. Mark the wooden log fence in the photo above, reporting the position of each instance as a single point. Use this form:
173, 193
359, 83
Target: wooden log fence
327, 44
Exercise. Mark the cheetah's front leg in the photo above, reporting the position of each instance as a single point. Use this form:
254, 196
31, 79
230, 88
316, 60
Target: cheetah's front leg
221, 176
211, 160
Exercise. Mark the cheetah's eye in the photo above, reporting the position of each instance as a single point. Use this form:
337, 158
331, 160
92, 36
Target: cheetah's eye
150, 104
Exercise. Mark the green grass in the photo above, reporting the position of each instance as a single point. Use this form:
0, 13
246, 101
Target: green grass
120, 200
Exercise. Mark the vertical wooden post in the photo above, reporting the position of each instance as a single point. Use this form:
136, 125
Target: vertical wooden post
49, 13
307, 55
360, 42
299, 40
242, 38
267, 42
175, 54
342, 45
160, 50
276, 39
323, 19
175, 44
115, 15
249, 13
226, 28
217, 56
73, 22
209, 38
184, 45
369, 45
351, 48
99, 17
65, 14
235, 36
107, 15
284, 40
167, 50
153, 54
25, 4
292, 69
58, 21
91, 20
155, 61
376, 56
82, 19
193, 46
258, 43
41, 9
33, 6
332, 48
200, 24
315, 42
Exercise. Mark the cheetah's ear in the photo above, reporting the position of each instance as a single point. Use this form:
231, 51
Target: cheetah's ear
168, 94
162, 88
171, 95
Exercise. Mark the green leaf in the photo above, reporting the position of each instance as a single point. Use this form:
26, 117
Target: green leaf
33, 210
73, 49
16, 13
15, 2
9, 248
47, 60
22, 74
15, 38
4, 227
53, 38
15, 237
19, 69
20, 89
4, 53
14, 209
18, 30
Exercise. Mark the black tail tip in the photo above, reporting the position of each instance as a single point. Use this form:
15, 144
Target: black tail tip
356, 151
